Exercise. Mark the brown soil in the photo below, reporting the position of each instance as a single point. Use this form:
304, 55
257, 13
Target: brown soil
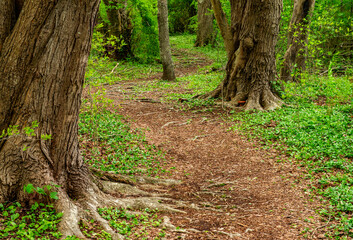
235, 189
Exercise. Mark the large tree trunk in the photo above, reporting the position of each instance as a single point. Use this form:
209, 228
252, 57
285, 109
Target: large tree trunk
164, 44
44, 50
42, 64
297, 39
205, 23
120, 27
251, 64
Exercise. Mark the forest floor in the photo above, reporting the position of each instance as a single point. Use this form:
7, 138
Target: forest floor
235, 189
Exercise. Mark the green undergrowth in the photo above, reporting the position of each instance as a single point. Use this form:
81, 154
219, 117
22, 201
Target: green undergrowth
104, 71
38, 221
108, 143
143, 225
215, 53
138, 226
315, 130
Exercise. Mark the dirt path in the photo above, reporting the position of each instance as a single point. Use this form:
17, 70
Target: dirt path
238, 191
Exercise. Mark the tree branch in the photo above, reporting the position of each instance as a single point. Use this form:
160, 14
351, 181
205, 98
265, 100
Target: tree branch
223, 25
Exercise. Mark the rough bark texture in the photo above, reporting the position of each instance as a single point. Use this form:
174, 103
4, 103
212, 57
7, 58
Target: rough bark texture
120, 26
224, 27
164, 44
45, 47
297, 39
251, 65
205, 23
42, 65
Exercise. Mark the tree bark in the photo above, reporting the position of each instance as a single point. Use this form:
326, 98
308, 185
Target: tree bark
164, 44
120, 26
205, 23
224, 27
42, 65
251, 65
297, 39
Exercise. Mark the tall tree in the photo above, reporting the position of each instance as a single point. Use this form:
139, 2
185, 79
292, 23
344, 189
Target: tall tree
119, 28
44, 49
164, 44
205, 18
297, 38
251, 63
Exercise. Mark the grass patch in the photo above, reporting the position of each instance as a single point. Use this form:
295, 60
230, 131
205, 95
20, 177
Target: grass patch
108, 143
38, 221
144, 225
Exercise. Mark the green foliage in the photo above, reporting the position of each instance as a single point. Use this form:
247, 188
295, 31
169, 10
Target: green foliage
134, 226
330, 37
46, 190
145, 35
182, 16
322, 90
36, 222
110, 144
144, 40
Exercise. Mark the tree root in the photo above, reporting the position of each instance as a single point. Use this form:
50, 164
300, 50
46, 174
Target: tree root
132, 180
101, 194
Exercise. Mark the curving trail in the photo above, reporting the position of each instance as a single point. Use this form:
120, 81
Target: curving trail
234, 189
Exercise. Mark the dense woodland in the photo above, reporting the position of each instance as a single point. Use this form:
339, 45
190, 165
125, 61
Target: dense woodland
176, 119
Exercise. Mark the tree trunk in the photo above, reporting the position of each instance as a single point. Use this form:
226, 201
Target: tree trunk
224, 27
42, 64
297, 39
251, 65
120, 28
205, 23
164, 44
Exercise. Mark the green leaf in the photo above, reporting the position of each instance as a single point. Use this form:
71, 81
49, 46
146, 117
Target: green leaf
54, 195
28, 188
40, 191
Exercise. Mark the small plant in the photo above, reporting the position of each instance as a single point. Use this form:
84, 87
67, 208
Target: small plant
39, 221
46, 190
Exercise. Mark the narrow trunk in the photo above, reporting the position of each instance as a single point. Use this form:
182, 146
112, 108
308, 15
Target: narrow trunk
120, 29
297, 39
252, 67
164, 44
42, 65
224, 27
205, 23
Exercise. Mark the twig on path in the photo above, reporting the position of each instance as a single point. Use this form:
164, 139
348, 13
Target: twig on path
147, 100
328, 222
201, 136
149, 113
231, 235
169, 123
220, 184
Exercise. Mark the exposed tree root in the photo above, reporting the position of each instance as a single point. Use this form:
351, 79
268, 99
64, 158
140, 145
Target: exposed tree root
85, 208
264, 100
132, 180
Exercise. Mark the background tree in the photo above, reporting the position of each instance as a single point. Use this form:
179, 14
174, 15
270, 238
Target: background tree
205, 31
251, 56
119, 28
224, 26
130, 29
297, 38
165, 51
182, 16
